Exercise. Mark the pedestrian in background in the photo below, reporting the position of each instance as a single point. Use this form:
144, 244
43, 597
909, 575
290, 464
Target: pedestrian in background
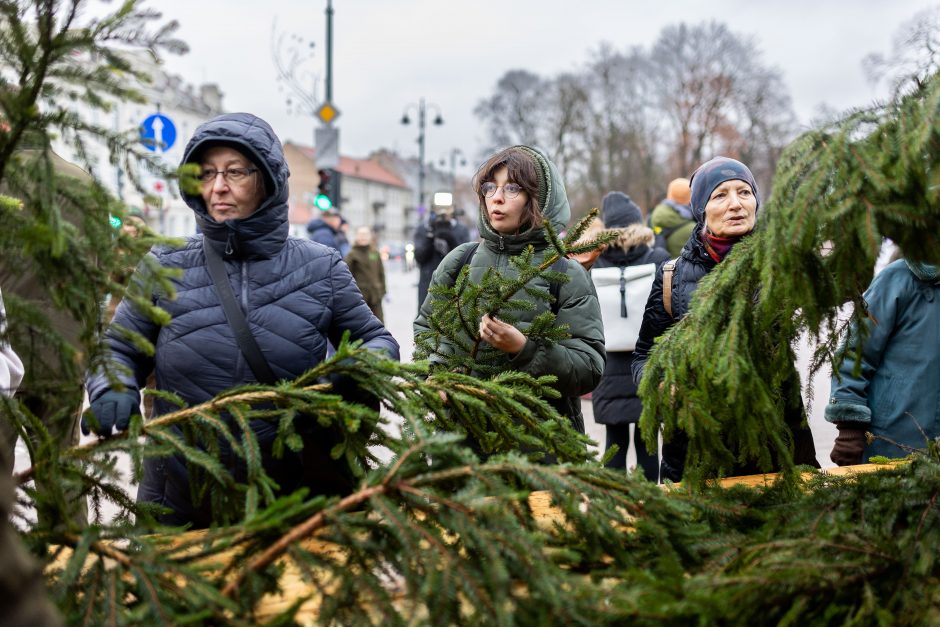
294, 295
519, 189
672, 220
616, 404
434, 239
365, 264
11, 366
725, 201
326, 229
896, 393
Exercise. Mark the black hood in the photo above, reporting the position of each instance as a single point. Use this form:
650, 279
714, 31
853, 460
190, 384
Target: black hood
262, 234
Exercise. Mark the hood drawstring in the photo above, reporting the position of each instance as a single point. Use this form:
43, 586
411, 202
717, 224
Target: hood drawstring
229, 249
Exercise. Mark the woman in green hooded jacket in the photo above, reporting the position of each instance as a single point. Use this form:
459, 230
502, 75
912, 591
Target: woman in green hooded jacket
519, 190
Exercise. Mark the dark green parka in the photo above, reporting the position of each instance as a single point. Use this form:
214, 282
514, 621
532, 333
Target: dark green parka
578, 361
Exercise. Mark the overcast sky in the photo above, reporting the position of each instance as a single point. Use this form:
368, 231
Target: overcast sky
387, 54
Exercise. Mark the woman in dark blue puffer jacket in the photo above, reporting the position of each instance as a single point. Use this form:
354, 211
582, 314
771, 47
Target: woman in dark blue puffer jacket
297, 296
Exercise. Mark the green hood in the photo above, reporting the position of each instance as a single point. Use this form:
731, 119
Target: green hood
552, 198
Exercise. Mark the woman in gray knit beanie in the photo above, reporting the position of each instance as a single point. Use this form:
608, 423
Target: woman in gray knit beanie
725, 201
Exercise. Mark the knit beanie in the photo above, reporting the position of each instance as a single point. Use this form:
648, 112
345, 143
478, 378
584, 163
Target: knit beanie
679, 191
618, 211
713, 173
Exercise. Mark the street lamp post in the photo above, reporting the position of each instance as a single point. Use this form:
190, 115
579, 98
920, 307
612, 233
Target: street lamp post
454, 153
422, 122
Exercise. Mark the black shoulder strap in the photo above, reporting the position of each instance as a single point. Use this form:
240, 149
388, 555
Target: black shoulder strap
554, 288
560, 265
465, 259
236, 318
468, 255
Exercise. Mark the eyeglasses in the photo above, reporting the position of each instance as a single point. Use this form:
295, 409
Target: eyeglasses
510, 190
231, 175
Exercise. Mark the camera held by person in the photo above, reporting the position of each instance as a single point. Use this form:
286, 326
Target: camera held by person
436, 237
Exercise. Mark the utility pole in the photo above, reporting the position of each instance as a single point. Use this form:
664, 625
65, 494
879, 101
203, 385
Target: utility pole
329, 50
326, 137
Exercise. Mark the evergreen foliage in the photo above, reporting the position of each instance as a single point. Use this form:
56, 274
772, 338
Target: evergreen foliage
457, 309
838, 191
435, 535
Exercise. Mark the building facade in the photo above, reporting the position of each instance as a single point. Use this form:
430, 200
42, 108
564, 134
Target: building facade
372, 195
165, 121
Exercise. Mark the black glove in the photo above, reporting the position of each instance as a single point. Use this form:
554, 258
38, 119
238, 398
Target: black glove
443, 229
850, 443
111, 409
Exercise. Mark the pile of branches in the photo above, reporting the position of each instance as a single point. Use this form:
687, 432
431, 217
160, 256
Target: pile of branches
435, 535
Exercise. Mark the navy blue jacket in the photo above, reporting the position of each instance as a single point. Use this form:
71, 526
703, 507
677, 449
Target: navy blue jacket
297, 295
322, 233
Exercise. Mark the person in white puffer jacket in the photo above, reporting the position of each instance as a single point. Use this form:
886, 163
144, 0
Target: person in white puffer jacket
11, 366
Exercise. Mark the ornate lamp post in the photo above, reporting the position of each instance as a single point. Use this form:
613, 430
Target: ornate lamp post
422, 123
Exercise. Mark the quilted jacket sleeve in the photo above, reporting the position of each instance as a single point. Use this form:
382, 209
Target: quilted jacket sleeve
351, 313
445, 274
130, 364
848, 400
578, 362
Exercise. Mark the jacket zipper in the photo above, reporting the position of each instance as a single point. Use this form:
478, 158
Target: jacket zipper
243, 303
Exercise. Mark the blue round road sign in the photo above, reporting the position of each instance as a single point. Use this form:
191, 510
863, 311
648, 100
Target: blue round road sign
158, 133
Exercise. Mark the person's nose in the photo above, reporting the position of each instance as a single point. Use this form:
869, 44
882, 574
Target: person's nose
219, 183
499, 194
734, 200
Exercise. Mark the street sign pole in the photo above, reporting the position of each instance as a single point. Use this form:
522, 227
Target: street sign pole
326, 137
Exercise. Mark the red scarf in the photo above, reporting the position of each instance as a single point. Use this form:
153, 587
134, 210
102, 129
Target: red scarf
718, 247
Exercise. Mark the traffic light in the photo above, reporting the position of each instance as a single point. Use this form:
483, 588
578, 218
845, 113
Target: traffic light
323, 201
328, 189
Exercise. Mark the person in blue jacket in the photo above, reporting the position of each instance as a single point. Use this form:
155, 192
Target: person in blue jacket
297, 296
896, 394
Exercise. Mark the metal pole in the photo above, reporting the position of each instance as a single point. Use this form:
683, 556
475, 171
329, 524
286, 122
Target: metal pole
421, 122
329, 50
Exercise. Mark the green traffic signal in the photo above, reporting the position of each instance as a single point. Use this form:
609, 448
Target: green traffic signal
115, 222
323, 202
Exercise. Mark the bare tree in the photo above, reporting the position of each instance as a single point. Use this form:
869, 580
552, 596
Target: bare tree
622, 135
631, 120
513, 112
915, 53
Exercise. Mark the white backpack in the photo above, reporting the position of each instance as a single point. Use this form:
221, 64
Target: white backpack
622, 293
